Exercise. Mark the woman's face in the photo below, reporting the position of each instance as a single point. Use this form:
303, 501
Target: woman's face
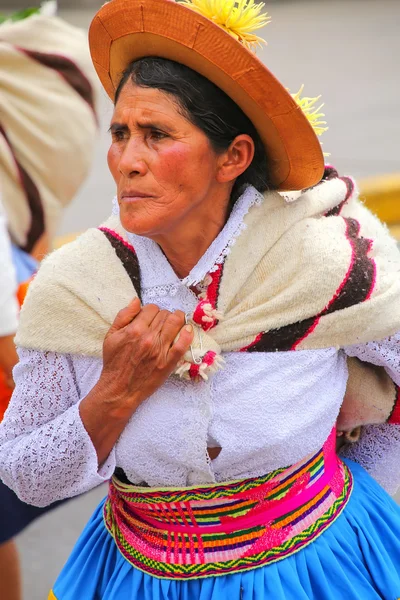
163, 165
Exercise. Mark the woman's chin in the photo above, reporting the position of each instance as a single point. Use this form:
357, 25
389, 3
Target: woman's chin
136, 220
137, 225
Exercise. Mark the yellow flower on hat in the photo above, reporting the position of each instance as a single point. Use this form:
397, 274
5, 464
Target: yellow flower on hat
238, 17
312, 112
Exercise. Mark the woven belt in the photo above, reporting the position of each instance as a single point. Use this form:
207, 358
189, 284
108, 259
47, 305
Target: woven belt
230, 527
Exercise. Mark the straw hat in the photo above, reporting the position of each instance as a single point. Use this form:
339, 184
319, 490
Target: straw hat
126, 30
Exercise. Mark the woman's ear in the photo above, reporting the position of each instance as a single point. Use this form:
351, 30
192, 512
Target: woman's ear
235, 160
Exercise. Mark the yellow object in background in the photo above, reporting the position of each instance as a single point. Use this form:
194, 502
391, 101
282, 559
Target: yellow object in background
382, 196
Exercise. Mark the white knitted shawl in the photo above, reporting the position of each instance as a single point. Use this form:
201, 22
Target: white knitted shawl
310, 270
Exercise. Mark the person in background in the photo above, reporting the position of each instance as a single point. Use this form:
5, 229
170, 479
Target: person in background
45, 72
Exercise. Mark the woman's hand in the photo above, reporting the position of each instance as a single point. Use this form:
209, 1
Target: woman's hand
141, 349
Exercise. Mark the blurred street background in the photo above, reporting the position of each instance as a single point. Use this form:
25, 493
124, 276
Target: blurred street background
347, 51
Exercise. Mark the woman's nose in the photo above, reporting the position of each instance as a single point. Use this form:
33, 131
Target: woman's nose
132, 161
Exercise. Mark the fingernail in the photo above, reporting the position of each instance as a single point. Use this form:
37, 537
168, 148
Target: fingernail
189, 328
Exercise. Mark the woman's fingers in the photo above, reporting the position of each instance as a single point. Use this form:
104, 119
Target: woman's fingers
171, 327
146, 347
134, 313
181, 344
144, 319
177, 336
126, 315
159, 320
161, 337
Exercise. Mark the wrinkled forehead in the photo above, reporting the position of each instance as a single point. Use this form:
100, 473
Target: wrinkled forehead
148, 104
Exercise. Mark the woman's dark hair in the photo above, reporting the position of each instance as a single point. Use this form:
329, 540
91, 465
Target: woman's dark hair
206, 106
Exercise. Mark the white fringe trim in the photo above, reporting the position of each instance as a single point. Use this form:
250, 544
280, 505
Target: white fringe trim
205, 370
210, 314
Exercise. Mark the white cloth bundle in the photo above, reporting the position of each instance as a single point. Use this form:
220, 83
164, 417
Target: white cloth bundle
47, 122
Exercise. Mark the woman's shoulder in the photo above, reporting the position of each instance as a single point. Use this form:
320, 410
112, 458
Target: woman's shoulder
91, 254
75, 296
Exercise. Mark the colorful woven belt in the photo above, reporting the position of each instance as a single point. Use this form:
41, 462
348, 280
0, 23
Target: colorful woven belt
230, 527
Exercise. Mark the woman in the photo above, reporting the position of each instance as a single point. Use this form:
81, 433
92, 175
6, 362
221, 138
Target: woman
195, 344
45, 70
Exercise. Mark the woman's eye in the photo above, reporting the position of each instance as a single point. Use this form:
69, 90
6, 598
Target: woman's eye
118, 135
157, 135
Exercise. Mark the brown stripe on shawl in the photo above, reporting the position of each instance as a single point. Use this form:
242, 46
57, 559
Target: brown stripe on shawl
356, 287
128, 257
282, 339
329, 173
350, 189
360, 279
68, 71
37, 225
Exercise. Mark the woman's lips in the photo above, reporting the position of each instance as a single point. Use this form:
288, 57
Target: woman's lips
133, 197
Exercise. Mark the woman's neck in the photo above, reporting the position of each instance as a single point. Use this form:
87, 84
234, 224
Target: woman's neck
186, 244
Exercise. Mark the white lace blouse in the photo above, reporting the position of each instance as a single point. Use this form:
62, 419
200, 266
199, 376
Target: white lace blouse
265, 410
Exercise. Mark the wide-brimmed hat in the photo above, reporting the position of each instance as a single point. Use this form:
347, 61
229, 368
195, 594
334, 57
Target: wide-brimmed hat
127, 30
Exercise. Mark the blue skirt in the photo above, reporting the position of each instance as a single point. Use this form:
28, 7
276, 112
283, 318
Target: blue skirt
357, 557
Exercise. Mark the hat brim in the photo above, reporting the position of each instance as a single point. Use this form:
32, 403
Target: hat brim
126, 30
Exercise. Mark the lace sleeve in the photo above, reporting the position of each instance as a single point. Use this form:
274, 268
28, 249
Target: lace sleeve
385, 353
378, 449
45, 452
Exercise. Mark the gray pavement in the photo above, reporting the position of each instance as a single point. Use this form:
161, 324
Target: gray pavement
347, 51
